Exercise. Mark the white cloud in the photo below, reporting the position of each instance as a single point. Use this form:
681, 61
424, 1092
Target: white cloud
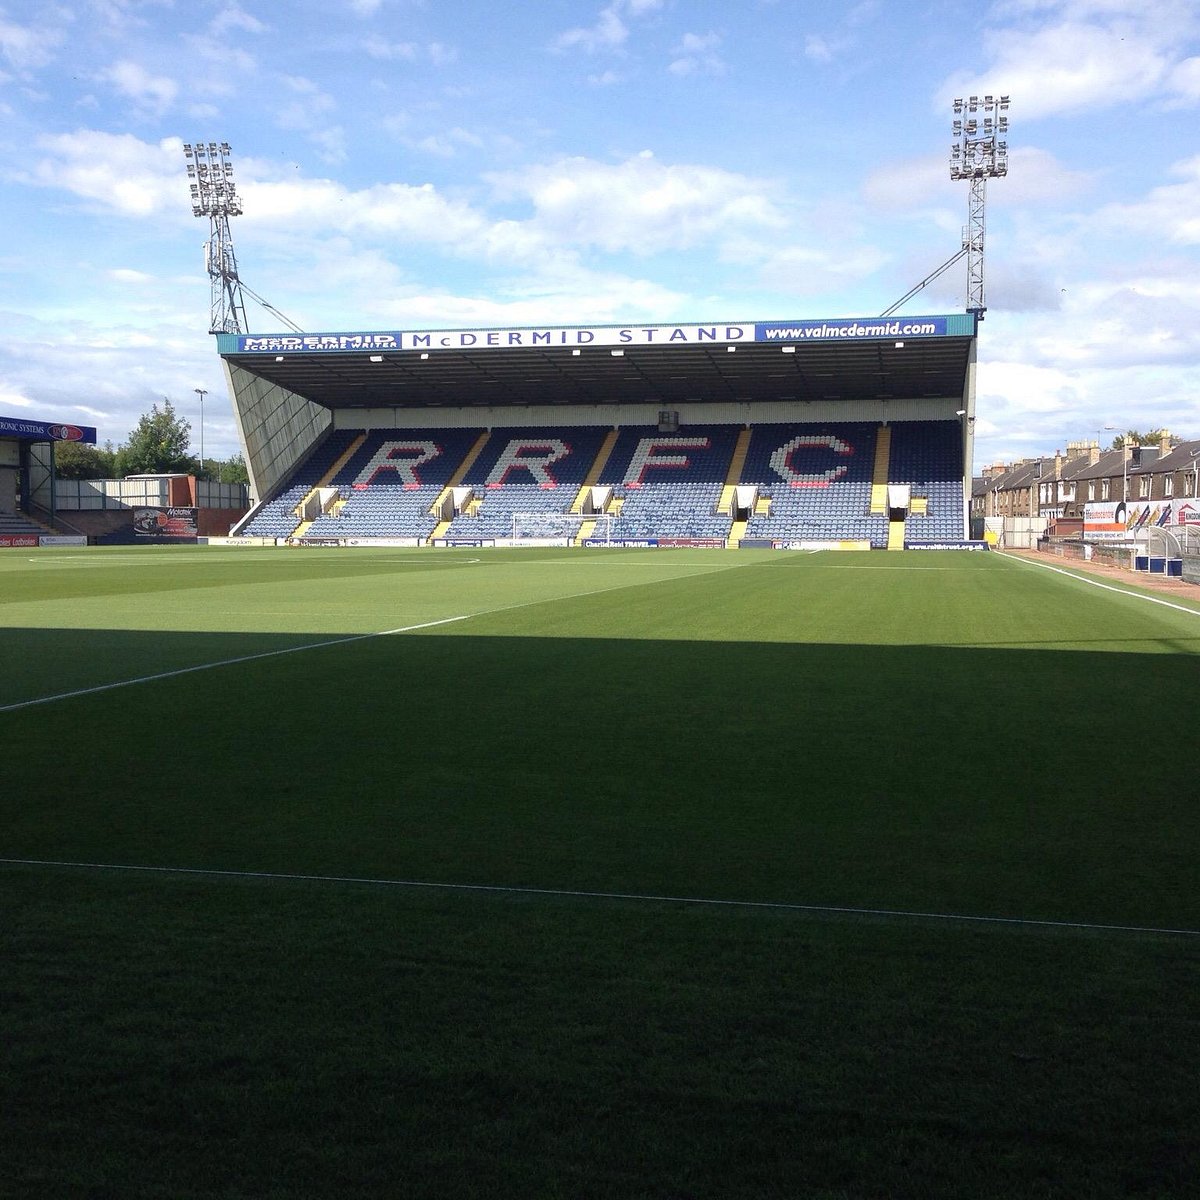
235, 18
11, 398
128, 275
1094, 53
818, 49
696, 54
608, 33
115, 171
154, 93
380, 48
640, 205
799, 270
1034, 177
28, 47
1170, 212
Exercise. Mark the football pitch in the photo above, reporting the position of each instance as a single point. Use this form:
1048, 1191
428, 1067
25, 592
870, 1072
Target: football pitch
595, 874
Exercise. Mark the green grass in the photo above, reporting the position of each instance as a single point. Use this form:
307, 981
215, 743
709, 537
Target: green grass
941, 733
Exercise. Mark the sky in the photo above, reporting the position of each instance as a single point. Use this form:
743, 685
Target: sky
423, 164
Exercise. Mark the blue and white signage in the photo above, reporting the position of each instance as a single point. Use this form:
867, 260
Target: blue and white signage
41, 431
611, 336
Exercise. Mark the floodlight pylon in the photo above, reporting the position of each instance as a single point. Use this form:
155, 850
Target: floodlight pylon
980, 153
214, 195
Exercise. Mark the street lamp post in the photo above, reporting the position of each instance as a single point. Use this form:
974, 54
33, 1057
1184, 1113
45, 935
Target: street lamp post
201, 392
1124, 462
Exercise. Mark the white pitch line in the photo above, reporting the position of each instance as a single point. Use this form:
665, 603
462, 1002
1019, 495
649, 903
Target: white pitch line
644, 897
1108, 587
225, 662
358, 637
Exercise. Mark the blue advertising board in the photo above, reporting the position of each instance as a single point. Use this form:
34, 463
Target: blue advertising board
42, 431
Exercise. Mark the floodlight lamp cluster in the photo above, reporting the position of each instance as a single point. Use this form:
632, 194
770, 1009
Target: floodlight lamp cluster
980, 125
211, 175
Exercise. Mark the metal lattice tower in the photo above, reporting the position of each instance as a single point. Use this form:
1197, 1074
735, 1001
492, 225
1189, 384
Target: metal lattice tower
979, 154
215, 197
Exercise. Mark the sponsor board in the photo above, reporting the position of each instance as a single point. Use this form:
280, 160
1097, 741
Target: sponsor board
471, 543
620, 543
578, 336
41, 431
14, 541
61, 540
1119, 520
694, 543
813, 544
851, 327
408, 543
948, 544
237, 541
496, 339
164, 522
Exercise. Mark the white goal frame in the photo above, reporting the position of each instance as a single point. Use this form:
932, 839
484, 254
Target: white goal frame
548, 526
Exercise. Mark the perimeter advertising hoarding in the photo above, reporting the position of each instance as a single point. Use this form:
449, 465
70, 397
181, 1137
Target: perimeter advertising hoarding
1118, 520
165, 522
577, 336
16, 541
41, 431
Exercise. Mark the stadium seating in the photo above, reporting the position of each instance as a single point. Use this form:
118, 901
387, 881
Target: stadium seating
818, 480
390, 482
668, 484
16, 525
813, 481
535, 470
277, 516
927, 455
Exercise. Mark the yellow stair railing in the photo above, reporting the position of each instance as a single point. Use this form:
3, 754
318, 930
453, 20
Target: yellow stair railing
879, 476
460, 474
593, 475
734, 474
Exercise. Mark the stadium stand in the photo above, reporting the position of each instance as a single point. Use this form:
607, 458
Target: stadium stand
18, 525
811, 482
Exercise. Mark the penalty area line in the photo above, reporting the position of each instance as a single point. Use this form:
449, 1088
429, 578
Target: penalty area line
227, 662
568, 893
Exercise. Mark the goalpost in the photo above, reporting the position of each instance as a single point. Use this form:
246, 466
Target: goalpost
559, 528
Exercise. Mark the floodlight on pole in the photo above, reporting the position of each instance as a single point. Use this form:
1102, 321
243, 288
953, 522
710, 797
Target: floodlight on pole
201, 392
979, 153
214, 196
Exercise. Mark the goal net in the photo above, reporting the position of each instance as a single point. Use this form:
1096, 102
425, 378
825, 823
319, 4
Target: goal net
560, 528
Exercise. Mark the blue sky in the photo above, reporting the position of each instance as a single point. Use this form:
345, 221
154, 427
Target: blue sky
408, 165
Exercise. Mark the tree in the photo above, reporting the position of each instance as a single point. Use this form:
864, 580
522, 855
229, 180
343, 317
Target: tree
233, 470
1131, 437
158, 445
78, 460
